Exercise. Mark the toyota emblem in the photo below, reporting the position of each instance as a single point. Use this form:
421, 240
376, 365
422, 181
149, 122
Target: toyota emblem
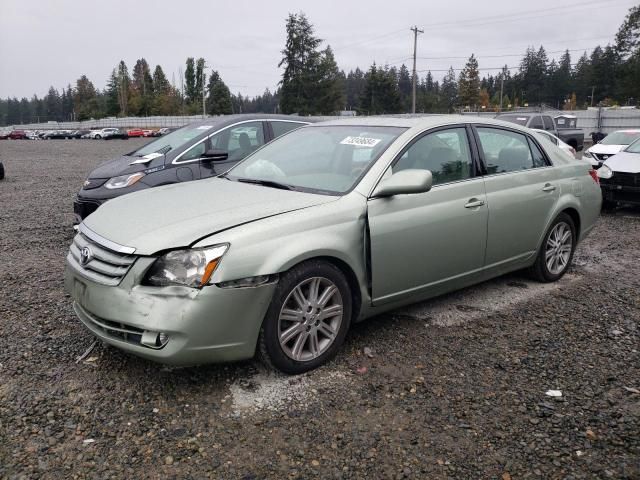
85, 256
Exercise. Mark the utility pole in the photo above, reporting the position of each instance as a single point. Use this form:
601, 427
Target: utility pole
501, 88
203, 106
592, 92
415, 47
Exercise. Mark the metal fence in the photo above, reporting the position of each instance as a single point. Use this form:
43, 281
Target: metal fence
588, 120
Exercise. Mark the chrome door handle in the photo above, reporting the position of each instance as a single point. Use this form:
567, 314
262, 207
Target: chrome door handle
548, 188
473, 203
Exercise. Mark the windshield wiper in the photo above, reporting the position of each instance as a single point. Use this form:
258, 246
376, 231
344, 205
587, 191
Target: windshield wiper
266, 183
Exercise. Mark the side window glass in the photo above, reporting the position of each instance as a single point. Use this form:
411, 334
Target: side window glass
445, 153
280, 128
538, 157
536, 122
504, 151
244, 139
195, 152
548, 123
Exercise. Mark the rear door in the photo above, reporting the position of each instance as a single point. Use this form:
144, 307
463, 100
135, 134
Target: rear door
521, 191
238, 140
421, 243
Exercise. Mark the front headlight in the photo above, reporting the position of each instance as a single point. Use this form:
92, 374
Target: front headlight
192, 267
123, 180
605, 172
587, 154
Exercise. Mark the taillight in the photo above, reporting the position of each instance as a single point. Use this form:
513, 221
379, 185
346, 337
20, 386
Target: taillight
594, 175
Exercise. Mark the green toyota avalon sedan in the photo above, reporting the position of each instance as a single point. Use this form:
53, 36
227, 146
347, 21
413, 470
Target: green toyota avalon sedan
327, 225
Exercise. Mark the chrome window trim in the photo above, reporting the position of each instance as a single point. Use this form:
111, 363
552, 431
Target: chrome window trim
105, 242
176, 161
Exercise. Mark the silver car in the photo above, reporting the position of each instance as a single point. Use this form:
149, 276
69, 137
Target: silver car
327, 225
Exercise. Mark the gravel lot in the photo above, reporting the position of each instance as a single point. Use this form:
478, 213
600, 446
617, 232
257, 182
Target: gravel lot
453, 388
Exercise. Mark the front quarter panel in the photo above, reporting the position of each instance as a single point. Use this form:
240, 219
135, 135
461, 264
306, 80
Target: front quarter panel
275, 244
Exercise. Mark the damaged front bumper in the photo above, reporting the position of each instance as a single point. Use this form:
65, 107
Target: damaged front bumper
173, 325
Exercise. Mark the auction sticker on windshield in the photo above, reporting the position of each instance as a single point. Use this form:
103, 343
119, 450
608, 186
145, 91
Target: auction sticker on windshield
361, 141
204, 127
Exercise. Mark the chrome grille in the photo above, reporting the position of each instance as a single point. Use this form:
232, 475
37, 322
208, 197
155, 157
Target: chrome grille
105, 266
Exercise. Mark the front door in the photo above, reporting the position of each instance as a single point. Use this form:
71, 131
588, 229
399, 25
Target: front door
429, 242
239, 141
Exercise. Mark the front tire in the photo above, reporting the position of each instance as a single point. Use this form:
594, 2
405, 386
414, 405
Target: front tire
1, 171
308, 318
556, 251
609, 205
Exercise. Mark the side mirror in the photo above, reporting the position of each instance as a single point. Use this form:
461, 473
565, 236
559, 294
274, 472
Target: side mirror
405, 182
215, 155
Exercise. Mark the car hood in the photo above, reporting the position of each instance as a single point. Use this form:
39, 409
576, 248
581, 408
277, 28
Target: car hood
624, 162
122, 166
606, 149
178, 215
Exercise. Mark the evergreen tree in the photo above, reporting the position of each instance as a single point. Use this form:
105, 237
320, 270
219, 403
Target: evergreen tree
112, 95
53, 106
355, 83
160, 83
381, 94
141, 88
190, 91
405, 86
628, 36
85, 99
449, 91
300, 59
329, 88
124, 88
200, 83
469, 84
218, 96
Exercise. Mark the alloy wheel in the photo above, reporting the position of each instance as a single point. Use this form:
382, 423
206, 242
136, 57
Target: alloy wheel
558, 248
310, 319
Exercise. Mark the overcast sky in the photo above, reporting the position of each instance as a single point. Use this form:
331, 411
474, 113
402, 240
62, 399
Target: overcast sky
54, 42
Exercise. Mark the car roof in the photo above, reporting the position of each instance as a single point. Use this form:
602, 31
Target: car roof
420, 122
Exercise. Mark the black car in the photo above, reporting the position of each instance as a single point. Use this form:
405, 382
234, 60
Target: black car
202, 149
113, 133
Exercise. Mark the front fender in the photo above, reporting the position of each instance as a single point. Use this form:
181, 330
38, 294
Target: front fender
275, 244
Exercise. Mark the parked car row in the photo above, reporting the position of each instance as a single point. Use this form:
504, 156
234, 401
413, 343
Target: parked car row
276, 234
103, 133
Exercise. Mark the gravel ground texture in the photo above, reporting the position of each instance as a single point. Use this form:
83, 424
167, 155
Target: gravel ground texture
451, 388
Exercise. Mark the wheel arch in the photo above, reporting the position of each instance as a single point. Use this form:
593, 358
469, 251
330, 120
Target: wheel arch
346, 269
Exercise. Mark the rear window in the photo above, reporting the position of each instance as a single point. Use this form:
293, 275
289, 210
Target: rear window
621, 138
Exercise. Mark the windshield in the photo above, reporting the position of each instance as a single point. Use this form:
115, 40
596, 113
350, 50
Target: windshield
620, 138
173, 140
634, 147
329, 159
519, 119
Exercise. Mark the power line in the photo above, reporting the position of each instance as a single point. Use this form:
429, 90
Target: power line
525, 14
505, 55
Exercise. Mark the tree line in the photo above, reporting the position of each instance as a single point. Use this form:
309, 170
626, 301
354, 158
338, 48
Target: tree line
312, 84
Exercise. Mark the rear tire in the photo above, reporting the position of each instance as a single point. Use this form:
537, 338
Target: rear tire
556, 252
308, 318
609, 205
1, 171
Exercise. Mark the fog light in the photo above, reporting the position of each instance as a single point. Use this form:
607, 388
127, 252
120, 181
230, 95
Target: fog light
154, 339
